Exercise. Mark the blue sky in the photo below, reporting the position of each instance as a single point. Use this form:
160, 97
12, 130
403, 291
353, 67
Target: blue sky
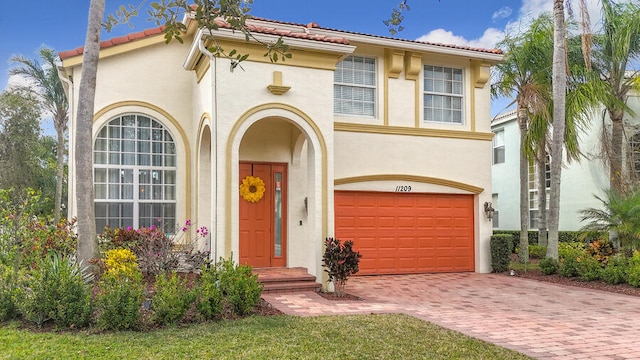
61, 24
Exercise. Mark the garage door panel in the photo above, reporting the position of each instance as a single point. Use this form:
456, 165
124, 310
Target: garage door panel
401, 233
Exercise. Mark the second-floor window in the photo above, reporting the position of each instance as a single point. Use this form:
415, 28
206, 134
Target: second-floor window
443, 94
498, 147
354, 86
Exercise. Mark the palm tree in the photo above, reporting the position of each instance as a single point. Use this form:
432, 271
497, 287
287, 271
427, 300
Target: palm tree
48, 87
615, 48
523, 73
87, 239
621, 215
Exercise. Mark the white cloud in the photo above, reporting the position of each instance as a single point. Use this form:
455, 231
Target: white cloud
503, 13
488, 40
529, 10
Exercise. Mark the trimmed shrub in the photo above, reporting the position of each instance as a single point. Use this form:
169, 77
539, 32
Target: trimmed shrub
208, 294
121, 292
239, 286
537, 251
548, 266
633, 270
616, 270
588, 267
500, 252
569, 254
118, 303
58, 291
8, 285
172, 299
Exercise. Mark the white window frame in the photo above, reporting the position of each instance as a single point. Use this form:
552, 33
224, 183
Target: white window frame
443, 96
498, 147
120, 164
534, 206
351, 85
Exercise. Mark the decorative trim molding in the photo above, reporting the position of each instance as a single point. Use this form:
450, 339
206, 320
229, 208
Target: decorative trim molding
414, 178
409, 131
277, 88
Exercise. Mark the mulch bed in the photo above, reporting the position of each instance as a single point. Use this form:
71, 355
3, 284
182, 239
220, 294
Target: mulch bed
536, 274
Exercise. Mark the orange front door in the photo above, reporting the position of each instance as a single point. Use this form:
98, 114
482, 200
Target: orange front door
263, 223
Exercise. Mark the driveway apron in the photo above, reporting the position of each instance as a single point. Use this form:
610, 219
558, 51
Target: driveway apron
539, 319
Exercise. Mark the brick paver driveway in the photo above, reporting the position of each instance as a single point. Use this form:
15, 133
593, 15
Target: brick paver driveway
542, 320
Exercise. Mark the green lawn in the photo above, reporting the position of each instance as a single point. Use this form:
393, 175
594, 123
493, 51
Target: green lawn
272, 337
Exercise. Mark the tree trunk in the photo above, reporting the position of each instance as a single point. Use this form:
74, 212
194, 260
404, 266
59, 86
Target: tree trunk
616, 173
523, 121
559, 82
541, 164
87, 239
59, 175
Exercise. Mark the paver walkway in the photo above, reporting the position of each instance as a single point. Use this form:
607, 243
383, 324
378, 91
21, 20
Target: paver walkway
541, 320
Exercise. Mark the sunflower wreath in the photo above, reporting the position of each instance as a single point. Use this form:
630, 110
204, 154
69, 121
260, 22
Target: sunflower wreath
252, 189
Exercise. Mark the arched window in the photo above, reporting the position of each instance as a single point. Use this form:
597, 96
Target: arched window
135, 174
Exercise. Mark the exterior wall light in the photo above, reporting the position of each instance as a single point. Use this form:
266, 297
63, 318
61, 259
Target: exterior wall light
489, 210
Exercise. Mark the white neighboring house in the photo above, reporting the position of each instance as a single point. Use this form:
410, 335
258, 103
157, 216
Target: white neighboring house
383, 141
580, 180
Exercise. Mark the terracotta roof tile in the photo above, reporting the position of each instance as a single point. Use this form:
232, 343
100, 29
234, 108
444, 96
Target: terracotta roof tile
271, 31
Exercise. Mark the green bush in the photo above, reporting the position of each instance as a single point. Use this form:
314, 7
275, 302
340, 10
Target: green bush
172, 299
208, 294
118, 303
633, 270
500, 252
56, 290
616, 270
588, 268
548, 266
239, 286
121, 292
8, 285
569, 254
537, 251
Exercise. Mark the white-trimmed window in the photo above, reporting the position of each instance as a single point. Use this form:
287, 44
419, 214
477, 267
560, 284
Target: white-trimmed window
534, 205
443, 94
498, 146
135, 174
354, 86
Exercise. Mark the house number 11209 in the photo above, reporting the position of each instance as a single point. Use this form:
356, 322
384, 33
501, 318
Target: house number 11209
403, 188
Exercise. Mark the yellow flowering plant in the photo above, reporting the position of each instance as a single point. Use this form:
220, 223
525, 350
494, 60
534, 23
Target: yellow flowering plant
121, 264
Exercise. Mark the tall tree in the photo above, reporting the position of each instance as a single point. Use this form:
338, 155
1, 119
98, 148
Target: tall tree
19, 133
87, 239
559, 85
48, 87
615, 49
523, 74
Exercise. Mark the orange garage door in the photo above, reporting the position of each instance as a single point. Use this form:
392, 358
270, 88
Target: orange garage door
401, 233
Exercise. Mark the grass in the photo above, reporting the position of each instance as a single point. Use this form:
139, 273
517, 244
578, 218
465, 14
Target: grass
392, 336
516, 265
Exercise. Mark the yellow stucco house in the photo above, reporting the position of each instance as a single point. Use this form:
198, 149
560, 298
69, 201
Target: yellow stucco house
383, 141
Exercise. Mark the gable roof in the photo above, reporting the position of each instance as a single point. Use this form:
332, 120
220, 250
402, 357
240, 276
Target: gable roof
260, 26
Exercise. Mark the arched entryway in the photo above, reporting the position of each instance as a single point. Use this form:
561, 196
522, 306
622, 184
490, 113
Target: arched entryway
284, 148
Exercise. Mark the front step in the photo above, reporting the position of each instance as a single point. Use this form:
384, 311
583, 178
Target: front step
286, 280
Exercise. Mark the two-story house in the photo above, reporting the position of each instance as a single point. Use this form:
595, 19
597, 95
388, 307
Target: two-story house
383, 141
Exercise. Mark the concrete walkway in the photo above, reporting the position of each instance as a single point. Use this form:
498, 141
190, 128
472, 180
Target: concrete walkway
541, 320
